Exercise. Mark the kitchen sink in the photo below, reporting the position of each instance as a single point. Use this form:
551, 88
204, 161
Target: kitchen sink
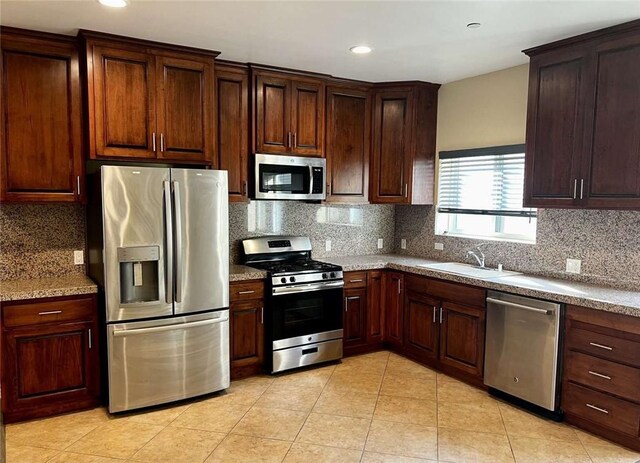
468, 270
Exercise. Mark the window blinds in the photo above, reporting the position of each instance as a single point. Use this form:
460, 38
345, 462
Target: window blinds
486, 181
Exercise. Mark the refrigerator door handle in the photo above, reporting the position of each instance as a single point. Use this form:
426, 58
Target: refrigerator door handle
168, 221
176, 326
178, 233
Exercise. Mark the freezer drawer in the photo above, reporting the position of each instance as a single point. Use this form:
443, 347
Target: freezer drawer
154, 362
522, 348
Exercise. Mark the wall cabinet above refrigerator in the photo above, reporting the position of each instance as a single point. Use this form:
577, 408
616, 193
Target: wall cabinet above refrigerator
148, 101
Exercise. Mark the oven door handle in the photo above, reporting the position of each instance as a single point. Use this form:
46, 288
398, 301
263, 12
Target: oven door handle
306, 288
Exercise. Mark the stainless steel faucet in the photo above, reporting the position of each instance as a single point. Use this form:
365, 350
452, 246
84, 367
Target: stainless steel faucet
477, 254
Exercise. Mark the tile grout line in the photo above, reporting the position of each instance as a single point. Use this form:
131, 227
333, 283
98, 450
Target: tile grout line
366, 440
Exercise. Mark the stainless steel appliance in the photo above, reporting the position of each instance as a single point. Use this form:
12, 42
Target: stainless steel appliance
523, 348
304, 302
290, 177
158, 248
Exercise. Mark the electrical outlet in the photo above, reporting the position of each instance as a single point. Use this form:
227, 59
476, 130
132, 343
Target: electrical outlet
403, 244
573, 265
78, 257
439, 246
327, 245
380, 243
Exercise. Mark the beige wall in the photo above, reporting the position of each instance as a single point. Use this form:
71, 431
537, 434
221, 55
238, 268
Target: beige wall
485, 110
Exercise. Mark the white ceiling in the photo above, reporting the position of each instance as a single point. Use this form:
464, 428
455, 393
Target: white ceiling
412, 40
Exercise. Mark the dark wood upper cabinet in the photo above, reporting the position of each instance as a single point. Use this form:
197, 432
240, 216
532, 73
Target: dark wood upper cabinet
40, 106
185, 108
232, 93
289, 114
404, 134
147, 100
348, 134
583, 122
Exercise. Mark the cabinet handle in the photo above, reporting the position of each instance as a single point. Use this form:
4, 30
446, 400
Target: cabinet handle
78, 184
575, 188
441, 315
601, 410
406, 190
246, 292
399, 287
600, 346
162, 142
435, 309
581, 187
50, 312
289, 140
262, 315
346, 304
153, 142
599, 375
90, 342
244, 188
355, 281
295, 140
329, 189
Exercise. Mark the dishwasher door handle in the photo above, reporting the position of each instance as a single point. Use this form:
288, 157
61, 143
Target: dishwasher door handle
519, 306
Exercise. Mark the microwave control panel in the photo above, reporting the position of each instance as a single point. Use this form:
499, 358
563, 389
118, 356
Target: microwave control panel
318, 180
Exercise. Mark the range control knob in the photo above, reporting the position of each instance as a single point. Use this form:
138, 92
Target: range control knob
324, 276
292, 279
283, 280
333, 274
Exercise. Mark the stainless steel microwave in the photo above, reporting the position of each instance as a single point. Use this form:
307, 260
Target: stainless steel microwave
290, 177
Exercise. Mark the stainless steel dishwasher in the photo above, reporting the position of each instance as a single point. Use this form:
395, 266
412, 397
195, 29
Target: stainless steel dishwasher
522, 350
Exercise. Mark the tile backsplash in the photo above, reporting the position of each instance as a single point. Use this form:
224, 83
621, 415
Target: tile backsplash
353, 230
607, 242
37, 241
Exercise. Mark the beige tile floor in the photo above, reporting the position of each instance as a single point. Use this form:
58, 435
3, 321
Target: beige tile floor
375, 408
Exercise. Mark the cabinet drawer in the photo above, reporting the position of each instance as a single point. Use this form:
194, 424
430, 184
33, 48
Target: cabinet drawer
603, 375
355, 279
35, 313
454, 292
246, 290
602, 409
604, 346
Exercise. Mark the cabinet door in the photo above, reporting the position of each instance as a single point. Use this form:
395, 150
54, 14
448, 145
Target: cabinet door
393, 115
462, 338
247, 338
273, 105
558, 91
375, 313
355, 309
185, 109
421, 326
41, 135
122, 103
612, 164
394, 283
348, 134
49, 369
307, 117
232, 92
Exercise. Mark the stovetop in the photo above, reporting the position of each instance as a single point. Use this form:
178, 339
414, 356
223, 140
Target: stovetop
291, 267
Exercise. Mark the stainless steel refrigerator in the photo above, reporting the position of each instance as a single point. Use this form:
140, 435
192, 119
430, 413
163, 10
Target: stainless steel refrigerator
159, 250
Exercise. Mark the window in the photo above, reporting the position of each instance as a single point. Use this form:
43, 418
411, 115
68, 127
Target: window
480, 195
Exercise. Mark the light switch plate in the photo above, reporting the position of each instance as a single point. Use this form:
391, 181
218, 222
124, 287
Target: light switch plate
439, 246
78, 257
380, 243
327, 245
573, 265
403, 244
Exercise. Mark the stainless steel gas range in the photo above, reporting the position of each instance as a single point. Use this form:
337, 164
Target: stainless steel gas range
303, 316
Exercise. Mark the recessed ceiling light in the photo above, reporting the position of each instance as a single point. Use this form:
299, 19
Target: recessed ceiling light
474, 25
114, 3
360, 49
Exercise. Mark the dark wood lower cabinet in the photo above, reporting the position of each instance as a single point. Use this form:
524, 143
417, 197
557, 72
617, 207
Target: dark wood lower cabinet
375, 312
462, 338
393, 308
421, 326
246, 327
50, 359
354, 317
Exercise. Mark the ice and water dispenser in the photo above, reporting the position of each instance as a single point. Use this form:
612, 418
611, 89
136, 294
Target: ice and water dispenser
139, 274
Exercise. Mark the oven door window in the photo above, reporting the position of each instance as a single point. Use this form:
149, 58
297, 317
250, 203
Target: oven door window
306, 313
289, 179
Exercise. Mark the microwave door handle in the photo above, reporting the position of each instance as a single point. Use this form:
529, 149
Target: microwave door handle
310, 179
168, 224
178, 232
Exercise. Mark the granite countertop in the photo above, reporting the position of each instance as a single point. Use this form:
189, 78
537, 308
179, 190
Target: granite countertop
243, 273
570, 292
68, 285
